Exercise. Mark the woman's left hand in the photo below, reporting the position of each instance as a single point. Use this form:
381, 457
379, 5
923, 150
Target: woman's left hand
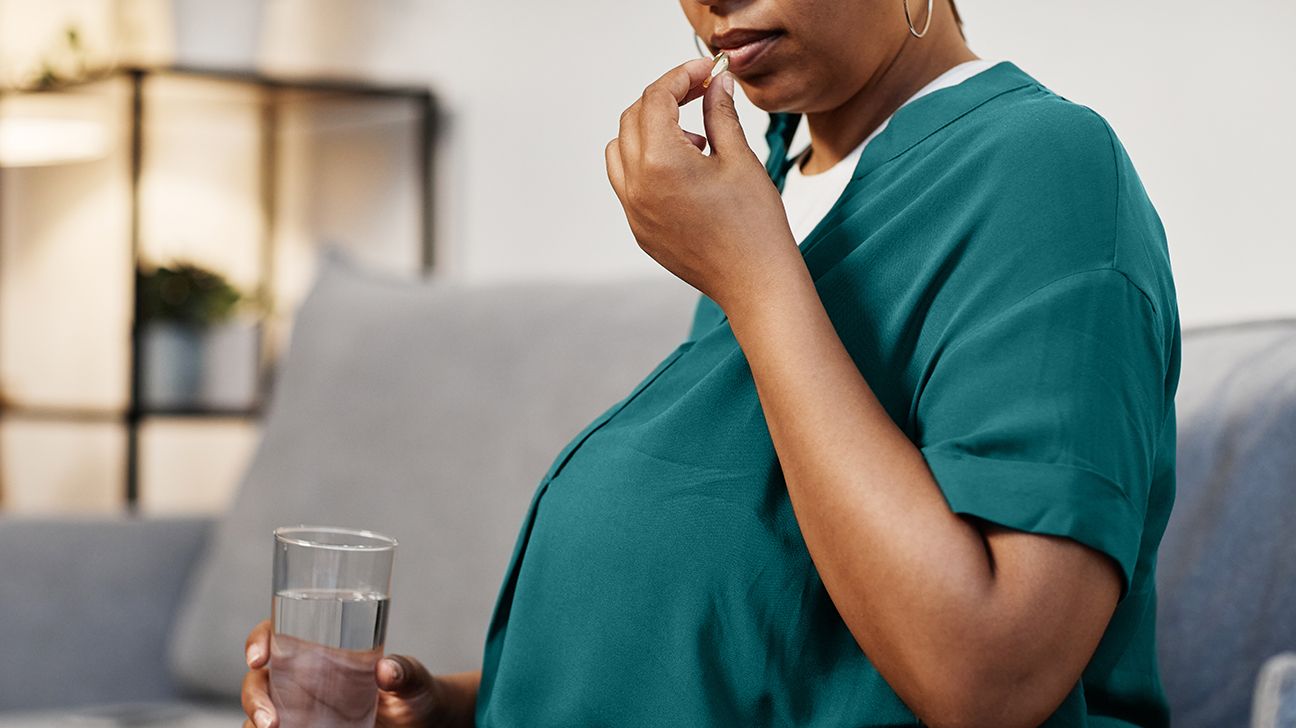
716, 221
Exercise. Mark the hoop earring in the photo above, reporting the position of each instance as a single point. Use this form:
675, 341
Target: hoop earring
701, 48
912, 30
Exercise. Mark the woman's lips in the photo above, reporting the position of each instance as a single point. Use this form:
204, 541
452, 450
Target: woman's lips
745, 56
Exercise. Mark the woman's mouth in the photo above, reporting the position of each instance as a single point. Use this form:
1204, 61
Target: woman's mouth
745, 47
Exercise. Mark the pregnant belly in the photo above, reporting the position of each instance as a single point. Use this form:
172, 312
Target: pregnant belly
647, 585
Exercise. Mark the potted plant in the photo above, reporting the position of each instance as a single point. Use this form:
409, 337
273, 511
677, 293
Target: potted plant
194, 351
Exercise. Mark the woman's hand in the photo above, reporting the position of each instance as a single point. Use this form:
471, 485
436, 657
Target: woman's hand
716, 221
408, 695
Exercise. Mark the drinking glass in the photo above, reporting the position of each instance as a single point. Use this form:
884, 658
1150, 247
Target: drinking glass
332, 590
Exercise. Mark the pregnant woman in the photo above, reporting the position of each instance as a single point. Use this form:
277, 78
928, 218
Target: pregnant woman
915, 457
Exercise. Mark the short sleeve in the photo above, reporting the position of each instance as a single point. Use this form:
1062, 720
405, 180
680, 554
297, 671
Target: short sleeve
1045, 418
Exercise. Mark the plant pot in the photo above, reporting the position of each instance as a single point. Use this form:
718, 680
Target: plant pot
230, 366
170, 362
192, 367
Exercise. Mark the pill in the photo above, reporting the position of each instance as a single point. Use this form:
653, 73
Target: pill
721, 65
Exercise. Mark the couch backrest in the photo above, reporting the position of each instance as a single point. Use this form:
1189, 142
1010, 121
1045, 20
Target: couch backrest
1226, 574
429, 411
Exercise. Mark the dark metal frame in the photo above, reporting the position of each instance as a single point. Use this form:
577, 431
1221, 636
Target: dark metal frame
136, 412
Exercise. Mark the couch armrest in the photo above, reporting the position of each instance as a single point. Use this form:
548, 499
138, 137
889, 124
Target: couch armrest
1275, 693
86, 606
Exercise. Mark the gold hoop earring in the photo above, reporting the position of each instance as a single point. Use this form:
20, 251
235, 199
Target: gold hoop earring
912, 30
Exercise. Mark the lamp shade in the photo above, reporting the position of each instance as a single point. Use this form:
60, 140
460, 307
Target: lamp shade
36, 141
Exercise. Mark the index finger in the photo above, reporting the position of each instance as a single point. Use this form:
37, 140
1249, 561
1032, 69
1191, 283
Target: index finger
675, 88
257, 648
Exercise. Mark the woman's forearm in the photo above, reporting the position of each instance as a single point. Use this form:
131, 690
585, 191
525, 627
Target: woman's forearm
457, 698
915, 584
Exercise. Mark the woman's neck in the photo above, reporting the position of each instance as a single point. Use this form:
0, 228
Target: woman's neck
835, 133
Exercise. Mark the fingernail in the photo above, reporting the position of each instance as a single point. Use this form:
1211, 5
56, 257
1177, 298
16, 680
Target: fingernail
254, 655
398, 672
726, 80
262, 718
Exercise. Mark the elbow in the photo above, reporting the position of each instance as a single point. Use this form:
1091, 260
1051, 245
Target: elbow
984, 698
979, 714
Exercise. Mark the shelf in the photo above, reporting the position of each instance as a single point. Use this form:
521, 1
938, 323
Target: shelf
79, 415
268, 104
316, 84
251, 413
62, 414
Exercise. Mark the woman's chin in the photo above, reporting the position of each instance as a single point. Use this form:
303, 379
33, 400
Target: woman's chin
773, 93
771, 100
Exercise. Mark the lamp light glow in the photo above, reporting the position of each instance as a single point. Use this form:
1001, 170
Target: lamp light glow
33, 142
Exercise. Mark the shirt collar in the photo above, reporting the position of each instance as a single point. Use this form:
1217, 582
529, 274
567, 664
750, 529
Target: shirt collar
910, 124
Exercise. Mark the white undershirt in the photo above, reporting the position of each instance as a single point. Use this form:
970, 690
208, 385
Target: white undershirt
807, 198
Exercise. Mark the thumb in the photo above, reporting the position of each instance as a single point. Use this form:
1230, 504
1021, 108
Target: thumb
720, 118
403, 676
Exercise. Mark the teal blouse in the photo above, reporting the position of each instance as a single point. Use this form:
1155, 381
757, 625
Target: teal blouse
999, 276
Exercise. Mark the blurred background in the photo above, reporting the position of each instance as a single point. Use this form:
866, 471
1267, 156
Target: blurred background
169, 170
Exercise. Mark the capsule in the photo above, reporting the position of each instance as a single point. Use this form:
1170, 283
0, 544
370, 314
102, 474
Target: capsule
721, 65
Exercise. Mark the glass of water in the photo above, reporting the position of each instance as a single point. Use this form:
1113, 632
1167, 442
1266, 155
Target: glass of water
332, 589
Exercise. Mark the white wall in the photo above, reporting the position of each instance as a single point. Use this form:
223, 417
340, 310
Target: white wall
1197, 91
64, 267
531, 91
1200, 93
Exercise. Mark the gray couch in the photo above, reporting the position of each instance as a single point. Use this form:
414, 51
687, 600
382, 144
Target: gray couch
428, 411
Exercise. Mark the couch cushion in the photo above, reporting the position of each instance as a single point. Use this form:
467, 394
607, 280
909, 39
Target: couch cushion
141, 715
1275, 693
428, 411
81, 597
1227, 565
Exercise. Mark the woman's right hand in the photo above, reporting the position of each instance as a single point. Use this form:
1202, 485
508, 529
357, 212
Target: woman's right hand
408, 695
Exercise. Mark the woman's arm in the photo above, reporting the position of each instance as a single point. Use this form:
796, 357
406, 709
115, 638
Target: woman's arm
971, 625
457, 697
